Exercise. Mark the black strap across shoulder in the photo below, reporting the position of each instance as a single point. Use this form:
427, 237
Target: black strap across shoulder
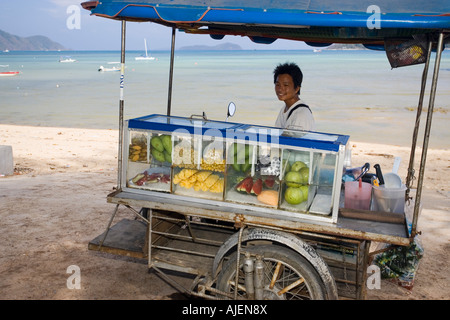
301, 105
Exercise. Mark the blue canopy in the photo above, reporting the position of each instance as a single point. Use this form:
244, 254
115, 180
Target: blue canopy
314, 21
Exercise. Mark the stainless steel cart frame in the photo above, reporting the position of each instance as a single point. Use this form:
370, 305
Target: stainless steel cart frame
203, 238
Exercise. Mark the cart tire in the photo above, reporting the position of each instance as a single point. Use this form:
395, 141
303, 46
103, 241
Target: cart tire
294, 268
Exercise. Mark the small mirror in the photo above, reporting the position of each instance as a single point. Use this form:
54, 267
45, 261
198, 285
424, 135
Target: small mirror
231, 110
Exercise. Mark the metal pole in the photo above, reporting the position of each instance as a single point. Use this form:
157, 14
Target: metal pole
410, 175
172, 59
427, 133
121, 104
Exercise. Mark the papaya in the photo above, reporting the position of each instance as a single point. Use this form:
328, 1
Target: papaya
269, 197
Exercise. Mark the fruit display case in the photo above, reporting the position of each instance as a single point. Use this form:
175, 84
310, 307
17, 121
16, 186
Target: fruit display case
289, 173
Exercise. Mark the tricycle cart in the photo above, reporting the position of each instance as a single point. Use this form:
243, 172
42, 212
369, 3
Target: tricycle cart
257, 212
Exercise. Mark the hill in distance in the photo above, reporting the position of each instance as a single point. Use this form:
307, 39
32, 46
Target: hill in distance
222, 46
34, 43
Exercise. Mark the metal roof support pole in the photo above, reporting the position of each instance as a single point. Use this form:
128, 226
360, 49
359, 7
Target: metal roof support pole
410, 175
172, 60
427, 133
121, 104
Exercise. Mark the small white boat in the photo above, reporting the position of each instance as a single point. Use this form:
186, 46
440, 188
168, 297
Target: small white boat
103, 69
67, 59
146, 57
8, 73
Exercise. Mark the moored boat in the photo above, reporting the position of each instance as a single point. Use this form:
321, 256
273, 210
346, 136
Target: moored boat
8, 73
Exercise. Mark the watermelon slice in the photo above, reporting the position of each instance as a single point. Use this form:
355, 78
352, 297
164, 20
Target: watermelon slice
269, 182
257, 186
245, 186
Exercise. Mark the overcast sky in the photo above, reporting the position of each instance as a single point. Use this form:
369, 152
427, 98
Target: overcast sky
50, 18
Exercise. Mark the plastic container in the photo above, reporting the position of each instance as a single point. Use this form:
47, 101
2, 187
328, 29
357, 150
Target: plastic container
389, 199
357, 195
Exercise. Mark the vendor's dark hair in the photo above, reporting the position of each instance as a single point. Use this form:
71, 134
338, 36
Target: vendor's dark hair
291, 69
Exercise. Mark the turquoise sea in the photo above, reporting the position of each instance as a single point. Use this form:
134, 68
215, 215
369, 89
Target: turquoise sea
352, 92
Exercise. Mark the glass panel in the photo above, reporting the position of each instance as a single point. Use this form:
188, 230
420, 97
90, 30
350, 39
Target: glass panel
296, 189
149, 170
187, 122
252, 174
195, 175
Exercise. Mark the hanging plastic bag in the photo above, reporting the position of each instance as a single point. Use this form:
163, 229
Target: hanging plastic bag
400, 263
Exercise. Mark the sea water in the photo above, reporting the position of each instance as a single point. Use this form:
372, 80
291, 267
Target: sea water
352, 92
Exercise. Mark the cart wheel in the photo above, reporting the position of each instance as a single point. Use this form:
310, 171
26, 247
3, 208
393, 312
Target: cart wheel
287, 275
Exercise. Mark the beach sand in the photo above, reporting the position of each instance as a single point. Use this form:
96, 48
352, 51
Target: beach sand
55, 203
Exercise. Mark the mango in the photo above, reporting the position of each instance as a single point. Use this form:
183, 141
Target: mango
167, 143
157, 144
158, 155
168, 157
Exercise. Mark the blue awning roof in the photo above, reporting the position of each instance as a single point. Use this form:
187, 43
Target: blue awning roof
352, 21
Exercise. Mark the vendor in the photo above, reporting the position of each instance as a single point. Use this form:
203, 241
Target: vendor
294, 114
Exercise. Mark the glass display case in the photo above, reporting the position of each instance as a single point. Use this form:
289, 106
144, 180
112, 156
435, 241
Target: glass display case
290, 173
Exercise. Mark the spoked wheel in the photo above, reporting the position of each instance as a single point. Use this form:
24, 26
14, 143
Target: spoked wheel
286, 276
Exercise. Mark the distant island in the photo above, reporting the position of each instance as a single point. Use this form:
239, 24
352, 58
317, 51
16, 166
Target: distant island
346, 46
223, 46
34, 43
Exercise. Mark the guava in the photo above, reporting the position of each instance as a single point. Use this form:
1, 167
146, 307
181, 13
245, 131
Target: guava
305, 190
293, 179
297, 165
293, 195
304, 175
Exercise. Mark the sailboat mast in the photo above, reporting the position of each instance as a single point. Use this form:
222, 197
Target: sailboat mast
145, 44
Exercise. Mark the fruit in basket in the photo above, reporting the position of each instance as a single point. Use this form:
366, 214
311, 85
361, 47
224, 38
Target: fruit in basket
297, 165
269, 197
158, 155
167, 143
157, 144
257, 187
293, 179
245, 186
294, 195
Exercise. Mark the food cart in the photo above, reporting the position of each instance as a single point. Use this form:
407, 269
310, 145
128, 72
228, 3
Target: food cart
257, 212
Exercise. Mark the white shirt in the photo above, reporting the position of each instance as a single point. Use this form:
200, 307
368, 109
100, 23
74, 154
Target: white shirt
300, 119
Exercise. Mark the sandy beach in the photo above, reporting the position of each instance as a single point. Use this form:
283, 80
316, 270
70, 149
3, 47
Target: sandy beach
55, 203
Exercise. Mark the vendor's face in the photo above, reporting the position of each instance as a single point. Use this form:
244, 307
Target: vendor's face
285, 89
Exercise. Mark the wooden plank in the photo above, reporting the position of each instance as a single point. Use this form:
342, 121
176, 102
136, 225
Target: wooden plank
127, 238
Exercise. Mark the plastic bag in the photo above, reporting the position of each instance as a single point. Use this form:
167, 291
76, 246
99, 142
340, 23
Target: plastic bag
400, 263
